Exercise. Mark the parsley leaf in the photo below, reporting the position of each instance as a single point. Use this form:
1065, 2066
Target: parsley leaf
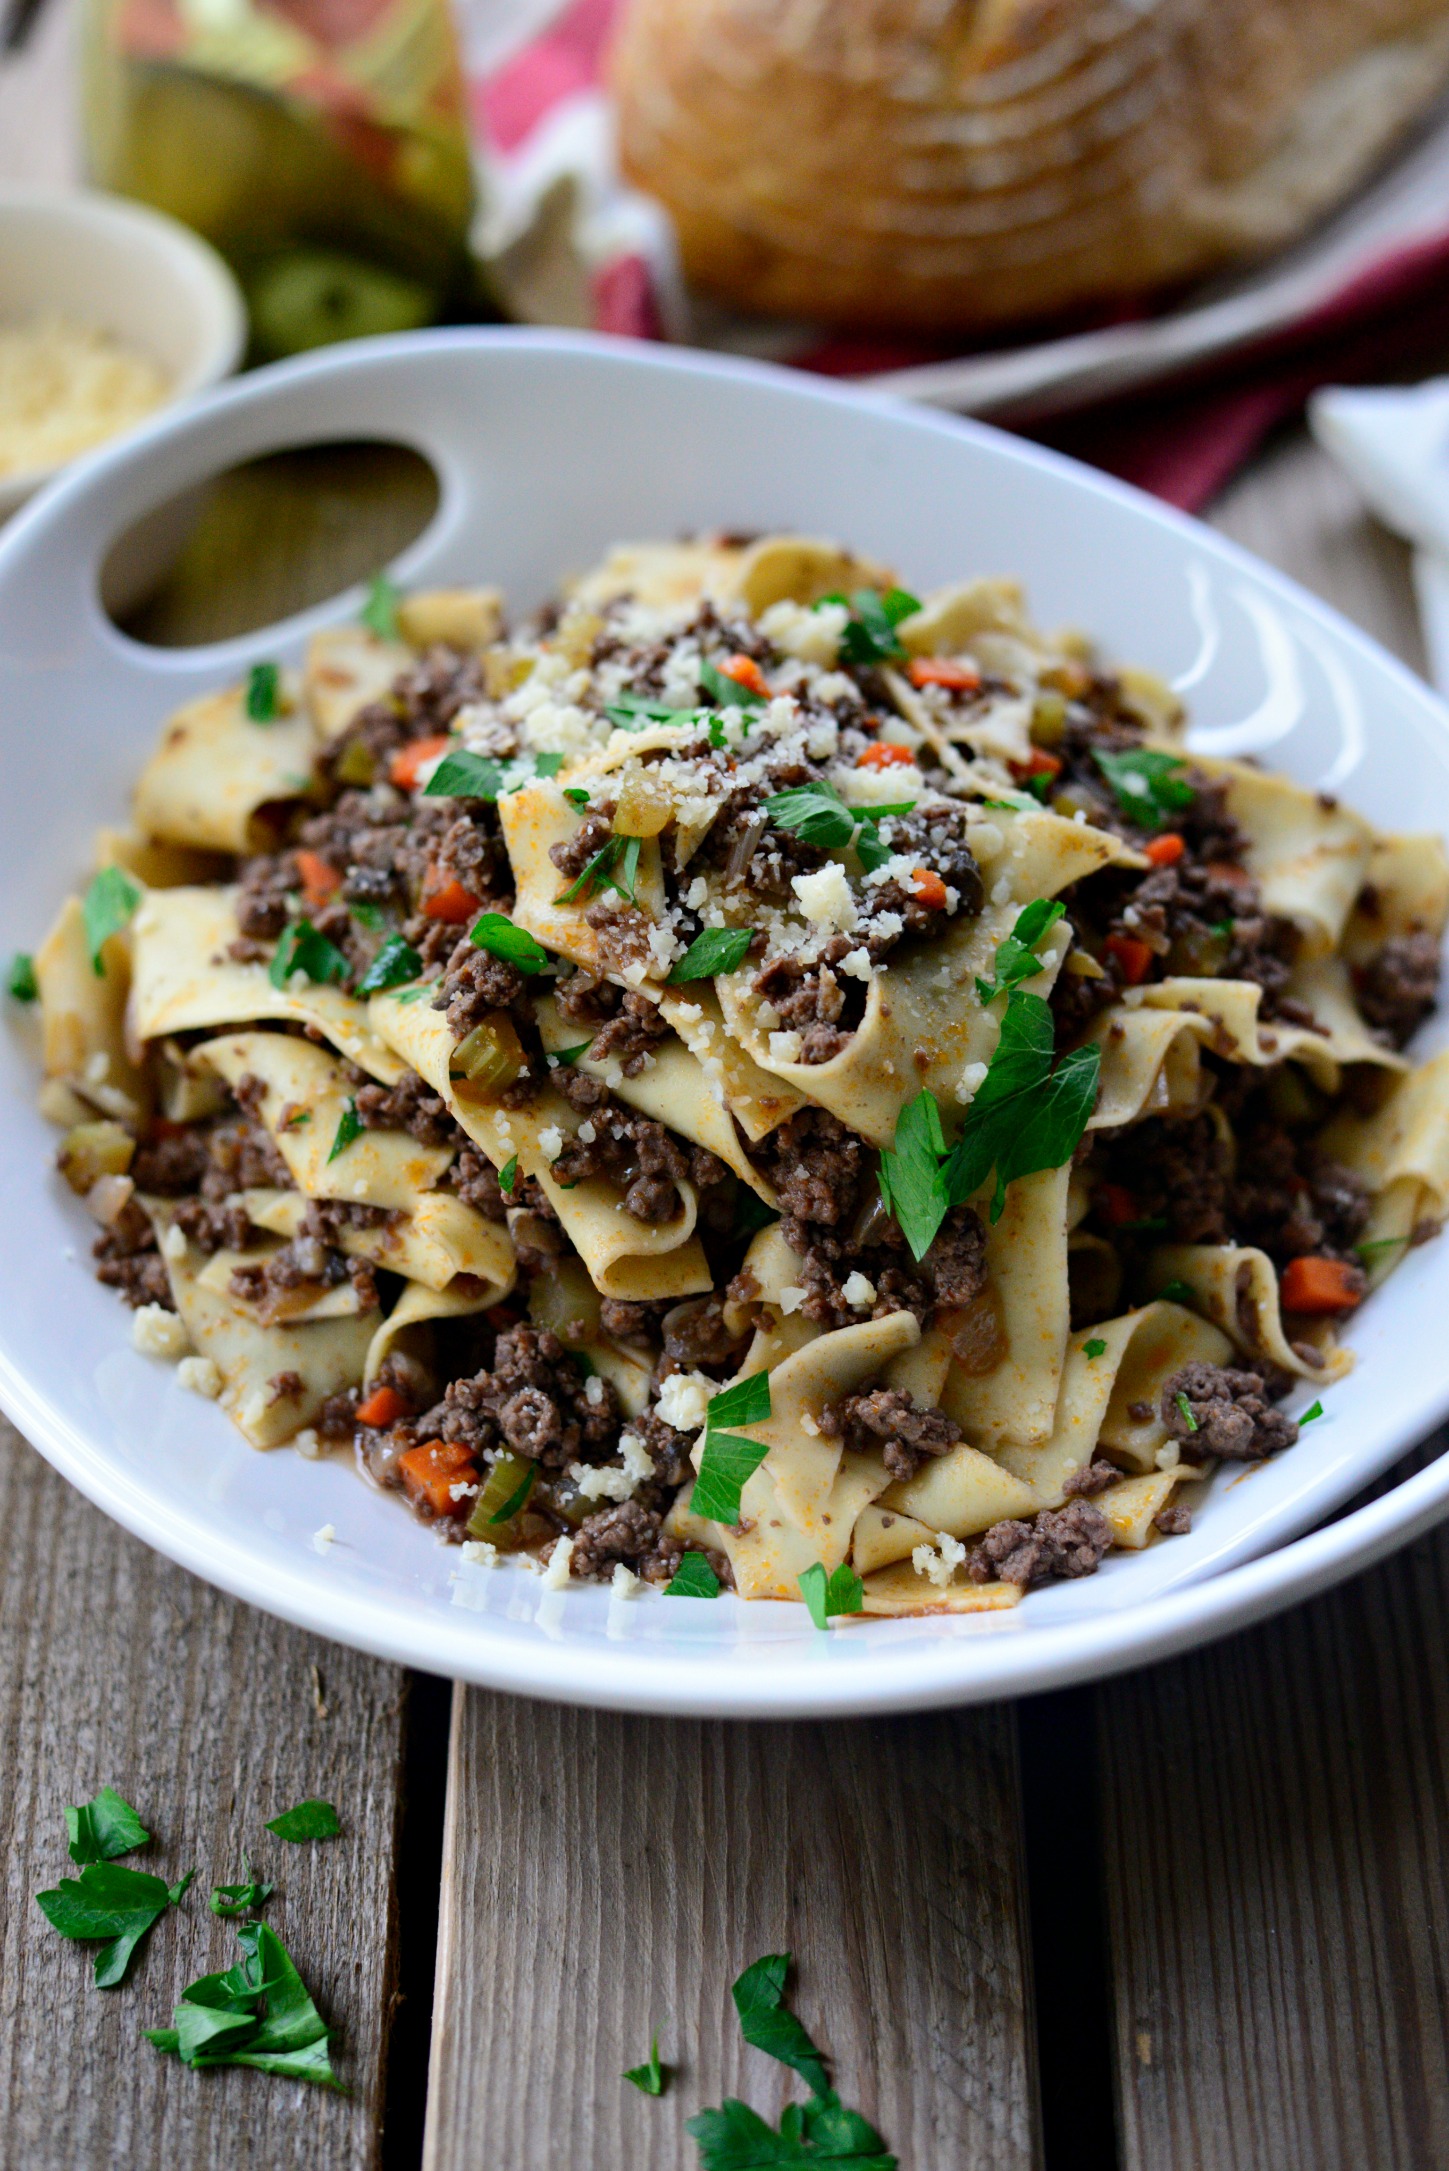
577, 796
508, 1174
571, 1055
1315, 1409
650, 2077
349, 1126
1095, 1348
462, 774
379, 612
840, 1592
239, 1899
109, 903
632, 712
1016, 957
395, 963
112, 1906
729, 1461
718, 949
262, 699
767, 2023
870, 636
818, 815
1176, 1292
21, 983
1377, 1246
693, 1578
599, 873
1027, 1114
1186, 1408
259, 2013
303, 950
727, 691
494, 932
1148, 784
308, 1820
912, 1181
103, 1828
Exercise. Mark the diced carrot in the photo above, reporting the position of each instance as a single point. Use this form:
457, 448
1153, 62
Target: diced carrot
1165, 851
746, 672
384, 1406
886, 755
432, 1469
406, 762
451, 903
319, 877
1313, 1284
949, 671
1038, 763
1133, 956
1117, 1203
929, 888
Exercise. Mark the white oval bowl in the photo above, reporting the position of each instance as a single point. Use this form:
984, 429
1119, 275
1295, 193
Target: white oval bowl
122, 268
550, 446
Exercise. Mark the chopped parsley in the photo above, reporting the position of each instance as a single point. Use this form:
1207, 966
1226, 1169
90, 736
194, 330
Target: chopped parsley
308, 1820
462, 774
576, 796
379, 612
727, 691
239, 1899
729, 1460
1186, 1409
912, 1181
263, 698
294, 1119
718, 949
1095, 1348
1315, 1409
494, 932
508, 1174
693, 1578
103, 1828
366, 915
650, 2076
303, 950
621, 853
1149, 785
109, 903
870, 635
1016, 957
21, 983
349, 1126
1177, 1292
1376, 1246
839, 1592
634, 712
259, 2013
822, 2131
818, 815
113, 1907
396, 963
571, 1055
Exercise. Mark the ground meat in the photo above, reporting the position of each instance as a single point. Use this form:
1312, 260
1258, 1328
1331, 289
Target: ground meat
956, 1261
628, 1533
1398, 988
1061, 1542
1173, 1521
412, 1106
134, 1267
1091, 1479
1172, 1172
623, 933
813, 1001
816, 1166
173, 1164
668, 1449
262, 909
471, 852
1227, 1414
588, 840
533, 1401
584, 1000
889, 1418
933, 839
474, 1180
630, 1035
213, 1228
475, 984
633, 1151
695, 1334
423, 701
1287, 1202
337, 1418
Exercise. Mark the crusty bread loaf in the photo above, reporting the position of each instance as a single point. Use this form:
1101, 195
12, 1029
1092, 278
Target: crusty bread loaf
955, 164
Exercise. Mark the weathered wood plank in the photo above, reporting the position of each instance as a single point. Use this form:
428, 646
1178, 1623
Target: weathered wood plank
117, 1668
608, 1876
1275, 1809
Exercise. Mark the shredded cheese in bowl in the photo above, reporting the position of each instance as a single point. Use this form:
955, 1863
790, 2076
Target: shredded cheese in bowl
65, 387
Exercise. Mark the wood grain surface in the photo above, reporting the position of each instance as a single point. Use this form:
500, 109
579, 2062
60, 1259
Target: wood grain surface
606, 1877
118, 1669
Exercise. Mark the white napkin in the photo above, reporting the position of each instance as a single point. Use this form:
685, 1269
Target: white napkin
1395, 444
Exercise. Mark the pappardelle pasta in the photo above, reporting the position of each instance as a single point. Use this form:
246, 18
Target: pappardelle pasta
749, 1079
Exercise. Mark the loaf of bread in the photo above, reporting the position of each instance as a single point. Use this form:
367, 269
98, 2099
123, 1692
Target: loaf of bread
950, 165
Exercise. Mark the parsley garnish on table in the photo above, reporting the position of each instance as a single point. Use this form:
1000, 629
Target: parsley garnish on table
308, 1820
1149, 785
242, 1899
648, 2078
821, 2132
729, 1460
108, 1905
259, 2013
21, 983
1029, 1113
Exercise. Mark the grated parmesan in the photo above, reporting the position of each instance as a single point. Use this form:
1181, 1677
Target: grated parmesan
65, 387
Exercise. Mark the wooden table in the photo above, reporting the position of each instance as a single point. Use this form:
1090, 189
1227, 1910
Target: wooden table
1194, 1918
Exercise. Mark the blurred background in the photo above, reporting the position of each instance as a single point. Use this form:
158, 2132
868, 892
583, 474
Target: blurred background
1141, 229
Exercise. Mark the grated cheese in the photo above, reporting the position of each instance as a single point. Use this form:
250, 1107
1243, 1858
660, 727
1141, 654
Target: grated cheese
65, 387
